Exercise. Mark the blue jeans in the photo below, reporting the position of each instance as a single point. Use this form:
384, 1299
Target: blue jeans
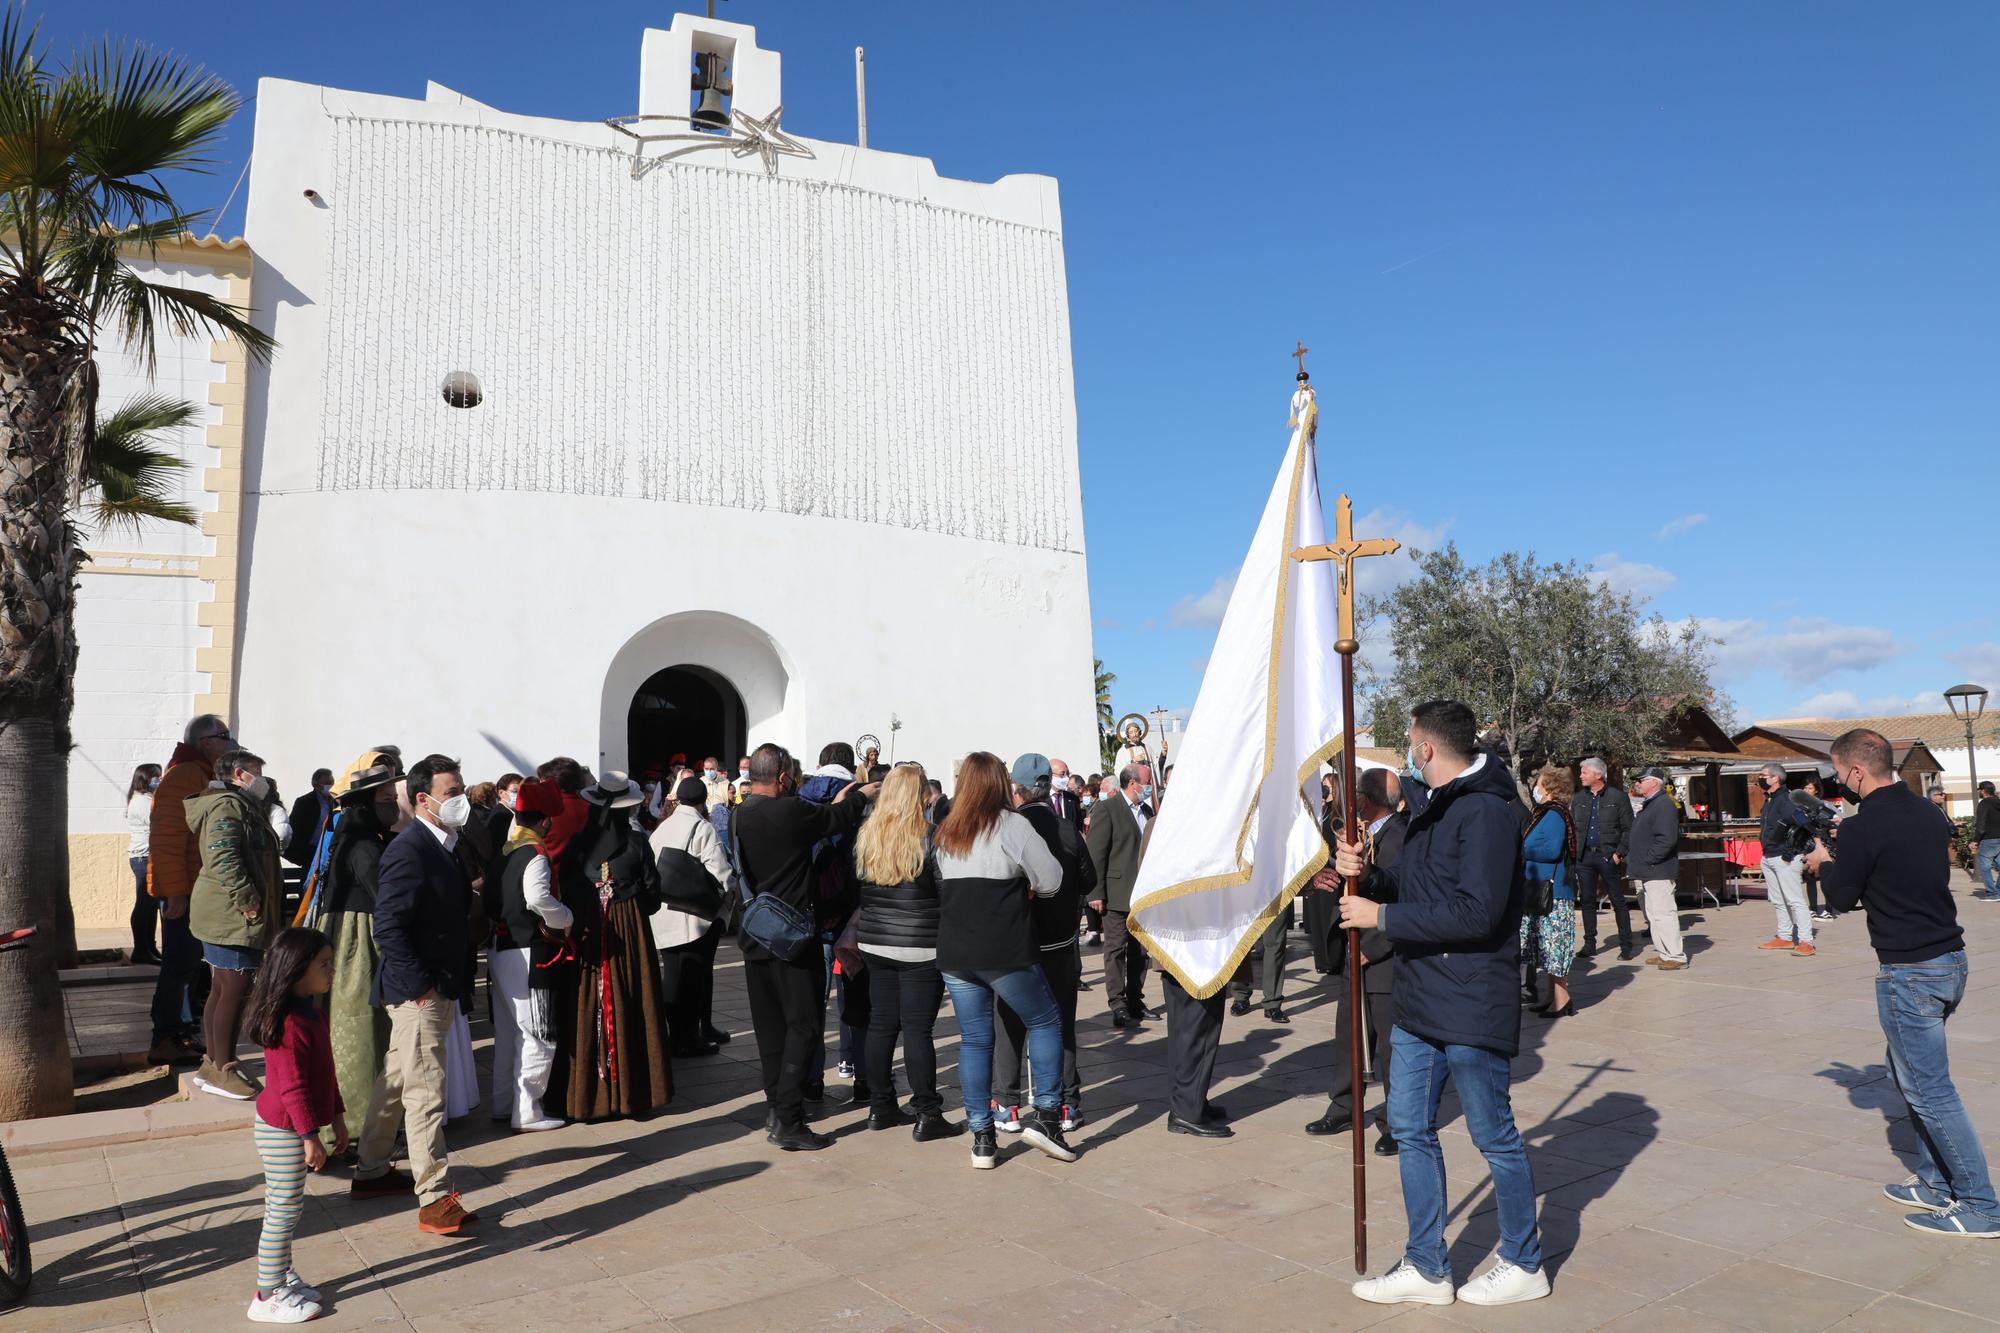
180, 952
1913, 1001
1026, 992
1417, 1069
1987, 860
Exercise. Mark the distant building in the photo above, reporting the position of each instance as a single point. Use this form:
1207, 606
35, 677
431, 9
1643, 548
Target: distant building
1944, 760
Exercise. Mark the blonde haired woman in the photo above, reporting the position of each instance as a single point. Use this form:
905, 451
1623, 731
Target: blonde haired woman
896, 933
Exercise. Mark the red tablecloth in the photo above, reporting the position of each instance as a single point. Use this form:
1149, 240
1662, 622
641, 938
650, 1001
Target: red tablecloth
1743, 851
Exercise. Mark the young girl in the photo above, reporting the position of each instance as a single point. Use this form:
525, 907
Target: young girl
300, 1095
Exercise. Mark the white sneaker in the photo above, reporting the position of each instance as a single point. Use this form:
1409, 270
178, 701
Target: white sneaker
1404, 1285
283, 1306
539, 1126
1505, 1284
293, 1282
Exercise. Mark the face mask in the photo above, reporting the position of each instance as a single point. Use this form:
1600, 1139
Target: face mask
1088, 801
1146, 791
454, 812
1413, 762
257, 788
386, 815
507, 798
710, 774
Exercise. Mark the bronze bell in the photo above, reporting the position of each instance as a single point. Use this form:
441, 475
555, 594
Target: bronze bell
710, 111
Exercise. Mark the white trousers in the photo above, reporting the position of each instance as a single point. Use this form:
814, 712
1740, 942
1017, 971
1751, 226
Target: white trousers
1663, 915
524, 1048
1785, 885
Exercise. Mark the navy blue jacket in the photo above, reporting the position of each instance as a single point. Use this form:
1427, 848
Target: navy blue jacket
422, 927
1456, 914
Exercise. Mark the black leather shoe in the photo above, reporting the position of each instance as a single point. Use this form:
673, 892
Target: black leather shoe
1122, 1020
893, 1118
1277, 1016
1628, 953
933, 1125
1329, 1123
1567, 1011
1239, 1007
1214, 1114
716, 1035
1385, 1145
1208, 1129
799, 1139
1137, 1013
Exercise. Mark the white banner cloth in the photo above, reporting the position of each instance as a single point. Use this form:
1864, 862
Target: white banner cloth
1238, 835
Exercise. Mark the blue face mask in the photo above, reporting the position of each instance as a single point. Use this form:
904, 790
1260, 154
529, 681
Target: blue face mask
1089, 801
1146, 791
1413, 764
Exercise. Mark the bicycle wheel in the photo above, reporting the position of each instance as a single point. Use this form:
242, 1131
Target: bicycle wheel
16, 1268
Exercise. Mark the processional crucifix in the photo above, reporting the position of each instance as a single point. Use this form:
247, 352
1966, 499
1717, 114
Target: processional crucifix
1344, 550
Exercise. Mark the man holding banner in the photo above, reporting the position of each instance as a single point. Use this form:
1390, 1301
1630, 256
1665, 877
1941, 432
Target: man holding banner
1454, 919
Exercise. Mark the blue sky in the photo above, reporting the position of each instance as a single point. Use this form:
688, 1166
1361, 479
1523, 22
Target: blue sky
1703, 294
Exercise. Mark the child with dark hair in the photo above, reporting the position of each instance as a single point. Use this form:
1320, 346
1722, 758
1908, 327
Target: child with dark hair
300, 1096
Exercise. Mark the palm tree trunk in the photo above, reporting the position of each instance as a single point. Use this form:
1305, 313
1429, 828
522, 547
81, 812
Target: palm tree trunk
45, 393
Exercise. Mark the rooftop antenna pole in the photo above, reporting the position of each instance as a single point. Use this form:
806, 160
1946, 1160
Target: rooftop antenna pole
861, 96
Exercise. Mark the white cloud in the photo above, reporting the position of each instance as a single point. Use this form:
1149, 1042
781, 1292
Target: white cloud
1980, 663
1801, 650
1630, 576
1381, 574
1204, 610
1845, 703
1678, 527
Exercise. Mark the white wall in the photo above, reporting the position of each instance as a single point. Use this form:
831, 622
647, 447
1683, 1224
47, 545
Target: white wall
831, 412
136, 633
1957, 774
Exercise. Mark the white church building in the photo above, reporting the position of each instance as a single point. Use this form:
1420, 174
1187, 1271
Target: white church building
613, 440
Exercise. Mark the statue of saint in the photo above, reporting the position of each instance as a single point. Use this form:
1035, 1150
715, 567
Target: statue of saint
1305, 403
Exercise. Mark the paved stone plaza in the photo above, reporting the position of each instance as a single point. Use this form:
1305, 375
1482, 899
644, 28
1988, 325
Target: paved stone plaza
1710, 1147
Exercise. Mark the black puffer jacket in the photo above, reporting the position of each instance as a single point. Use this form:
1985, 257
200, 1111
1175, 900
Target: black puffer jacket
900, 916
1455, 917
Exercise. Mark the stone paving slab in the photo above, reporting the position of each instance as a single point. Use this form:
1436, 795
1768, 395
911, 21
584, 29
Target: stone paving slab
1709, 1146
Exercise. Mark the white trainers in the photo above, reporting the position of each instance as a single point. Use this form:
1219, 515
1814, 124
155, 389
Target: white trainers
1505, 1284
293, 1282
1404, 1285
284, 1306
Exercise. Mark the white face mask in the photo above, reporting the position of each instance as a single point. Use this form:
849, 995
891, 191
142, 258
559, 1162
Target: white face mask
454, 812
257, 789
507, 798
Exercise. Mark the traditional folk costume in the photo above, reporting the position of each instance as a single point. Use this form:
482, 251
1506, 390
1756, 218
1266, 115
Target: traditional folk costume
529, 956
612, 1031
359, 1030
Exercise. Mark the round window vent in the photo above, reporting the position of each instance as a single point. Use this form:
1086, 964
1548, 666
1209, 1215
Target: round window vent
461, 389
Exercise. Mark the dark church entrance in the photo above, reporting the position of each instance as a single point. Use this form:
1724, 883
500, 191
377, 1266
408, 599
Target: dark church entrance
684, 710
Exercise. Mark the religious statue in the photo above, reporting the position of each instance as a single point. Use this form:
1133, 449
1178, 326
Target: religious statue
1133, 751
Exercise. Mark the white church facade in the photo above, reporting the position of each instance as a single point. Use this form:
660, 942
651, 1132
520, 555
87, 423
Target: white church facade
626, 440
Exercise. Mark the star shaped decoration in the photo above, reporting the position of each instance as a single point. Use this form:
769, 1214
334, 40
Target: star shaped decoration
762, 136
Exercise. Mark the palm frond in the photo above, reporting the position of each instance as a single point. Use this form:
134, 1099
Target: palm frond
137, 307
155, 112
131, 476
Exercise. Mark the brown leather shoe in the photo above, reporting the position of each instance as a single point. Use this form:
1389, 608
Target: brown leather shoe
445, 1217
389, 1182
1805, 949
1669, 965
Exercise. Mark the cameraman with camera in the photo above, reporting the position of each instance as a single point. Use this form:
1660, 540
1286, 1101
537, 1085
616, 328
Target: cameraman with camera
1784, 884
1889, 865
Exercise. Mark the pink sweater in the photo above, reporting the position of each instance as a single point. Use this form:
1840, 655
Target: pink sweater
300, 1091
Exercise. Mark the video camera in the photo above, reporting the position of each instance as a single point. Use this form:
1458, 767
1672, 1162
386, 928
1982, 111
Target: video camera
1814, 816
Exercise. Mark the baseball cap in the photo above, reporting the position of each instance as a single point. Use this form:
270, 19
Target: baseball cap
1655, 772
1030, 770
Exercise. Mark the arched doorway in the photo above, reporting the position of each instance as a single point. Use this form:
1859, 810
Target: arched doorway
686, 710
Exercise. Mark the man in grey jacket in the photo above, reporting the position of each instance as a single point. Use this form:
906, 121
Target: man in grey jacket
1656, 864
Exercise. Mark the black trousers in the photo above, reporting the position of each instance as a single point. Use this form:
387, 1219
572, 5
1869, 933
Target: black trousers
903, 999
1010, 1034
1124, 964
1594, 872
1273, 948
1194, 1035
1377, 1004
687, 984
787, 1009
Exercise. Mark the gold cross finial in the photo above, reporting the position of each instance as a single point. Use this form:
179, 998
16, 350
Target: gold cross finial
1344, 550
1299, 352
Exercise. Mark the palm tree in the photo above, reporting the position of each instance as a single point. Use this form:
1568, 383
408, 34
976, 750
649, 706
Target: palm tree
82, 154
131, 477
1107, 744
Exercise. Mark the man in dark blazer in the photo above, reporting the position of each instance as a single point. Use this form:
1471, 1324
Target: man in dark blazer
308, 819
1386, 826
1061, 799
422, 902
1116, 826
1602, 814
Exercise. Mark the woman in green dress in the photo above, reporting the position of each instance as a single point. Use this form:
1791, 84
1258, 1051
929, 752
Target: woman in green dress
366, 813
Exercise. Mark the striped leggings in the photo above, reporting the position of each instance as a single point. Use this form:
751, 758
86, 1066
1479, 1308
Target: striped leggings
284, 1156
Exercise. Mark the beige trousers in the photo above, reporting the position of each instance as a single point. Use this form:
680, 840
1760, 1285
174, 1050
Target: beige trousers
1663, 914
410, 1096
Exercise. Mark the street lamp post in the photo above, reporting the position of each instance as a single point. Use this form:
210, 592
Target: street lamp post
1159, 716
1967, 703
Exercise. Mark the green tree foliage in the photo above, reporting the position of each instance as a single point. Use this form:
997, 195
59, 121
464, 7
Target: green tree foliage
1107, 744
1558, 664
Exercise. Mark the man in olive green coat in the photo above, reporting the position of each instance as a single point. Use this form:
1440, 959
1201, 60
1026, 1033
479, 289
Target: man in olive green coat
236, 908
